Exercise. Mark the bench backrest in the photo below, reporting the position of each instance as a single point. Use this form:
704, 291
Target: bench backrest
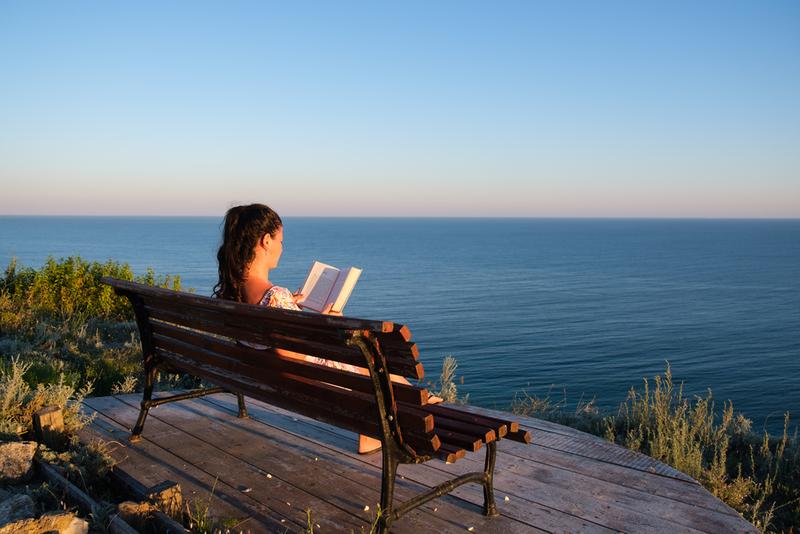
202, 336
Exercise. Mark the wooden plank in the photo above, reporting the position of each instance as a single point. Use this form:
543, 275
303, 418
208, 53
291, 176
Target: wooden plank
330, 348
360, 421
322, 472
612, 504
485, 434
353, 410
470, 444
533, 514
666, 487
248, 310
574, 441
624, 506
500, 427
217, 462
151, 464
246, 360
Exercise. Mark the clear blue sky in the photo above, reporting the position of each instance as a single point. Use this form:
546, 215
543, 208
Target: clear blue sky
676, 109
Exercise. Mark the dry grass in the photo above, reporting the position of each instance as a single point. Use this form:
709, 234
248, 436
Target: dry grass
757, 475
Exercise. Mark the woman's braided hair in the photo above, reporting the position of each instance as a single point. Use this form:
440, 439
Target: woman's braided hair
244, 226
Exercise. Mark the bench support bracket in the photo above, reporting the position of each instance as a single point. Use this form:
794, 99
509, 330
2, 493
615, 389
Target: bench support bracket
396, 452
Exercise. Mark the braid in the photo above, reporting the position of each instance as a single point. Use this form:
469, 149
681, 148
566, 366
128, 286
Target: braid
243, 227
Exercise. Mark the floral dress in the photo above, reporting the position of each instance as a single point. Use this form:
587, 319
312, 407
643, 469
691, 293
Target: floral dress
280, 297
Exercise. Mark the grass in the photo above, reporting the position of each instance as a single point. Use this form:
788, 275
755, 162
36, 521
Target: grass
757, 475
63, 336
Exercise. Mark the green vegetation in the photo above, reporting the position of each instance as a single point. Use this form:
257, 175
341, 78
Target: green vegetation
69, 328
759, 476
64, 335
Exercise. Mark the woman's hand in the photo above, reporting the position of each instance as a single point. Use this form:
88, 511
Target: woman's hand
298, 297
329, 311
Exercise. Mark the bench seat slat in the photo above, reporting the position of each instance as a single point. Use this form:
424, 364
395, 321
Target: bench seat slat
452, 451
464, 441
404, 366
167, 335
502, 427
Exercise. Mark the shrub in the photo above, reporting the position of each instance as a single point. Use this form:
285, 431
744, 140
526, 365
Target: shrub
759, 476
70, 328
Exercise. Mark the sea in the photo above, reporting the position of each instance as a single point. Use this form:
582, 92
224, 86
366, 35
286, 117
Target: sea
578, 310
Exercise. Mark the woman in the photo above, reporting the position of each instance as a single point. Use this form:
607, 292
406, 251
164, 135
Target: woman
252, 244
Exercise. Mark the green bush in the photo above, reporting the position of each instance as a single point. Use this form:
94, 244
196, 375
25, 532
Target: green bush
70, 289
69, 327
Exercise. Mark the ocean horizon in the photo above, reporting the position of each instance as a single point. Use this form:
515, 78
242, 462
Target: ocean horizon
589, 306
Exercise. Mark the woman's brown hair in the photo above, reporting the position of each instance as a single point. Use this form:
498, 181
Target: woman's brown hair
244, 226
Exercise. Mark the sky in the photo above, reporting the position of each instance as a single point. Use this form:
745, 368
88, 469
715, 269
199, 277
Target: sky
472, 109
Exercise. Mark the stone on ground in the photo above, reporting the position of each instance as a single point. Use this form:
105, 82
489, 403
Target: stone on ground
16, 460
16, 507
61, 522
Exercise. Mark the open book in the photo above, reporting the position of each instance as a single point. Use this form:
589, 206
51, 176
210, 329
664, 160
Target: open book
326, 284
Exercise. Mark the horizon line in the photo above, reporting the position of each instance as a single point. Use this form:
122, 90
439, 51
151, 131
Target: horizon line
538, 217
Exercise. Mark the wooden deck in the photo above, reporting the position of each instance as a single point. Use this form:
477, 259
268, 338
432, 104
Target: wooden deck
267, 470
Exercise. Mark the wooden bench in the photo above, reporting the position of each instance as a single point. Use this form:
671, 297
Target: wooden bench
203, 336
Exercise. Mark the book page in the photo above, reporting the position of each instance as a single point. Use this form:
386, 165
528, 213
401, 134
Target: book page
343, 288
319, 283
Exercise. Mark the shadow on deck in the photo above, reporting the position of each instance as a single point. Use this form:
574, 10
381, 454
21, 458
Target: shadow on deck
266, 471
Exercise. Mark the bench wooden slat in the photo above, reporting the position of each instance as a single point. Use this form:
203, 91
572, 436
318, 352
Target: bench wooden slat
448, 437
457, 452
404, 366
484, 433
326, 396
140, 290
395, 343
171, 338
502, 427
321, 401
522, 436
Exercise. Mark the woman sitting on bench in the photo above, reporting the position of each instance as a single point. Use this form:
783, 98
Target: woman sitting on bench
252, 244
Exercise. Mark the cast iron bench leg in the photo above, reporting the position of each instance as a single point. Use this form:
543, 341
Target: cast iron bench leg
489, 508
387, 490
242, 407
150, 374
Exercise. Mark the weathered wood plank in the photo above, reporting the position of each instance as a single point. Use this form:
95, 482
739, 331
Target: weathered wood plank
151, 465
216, 462
343, 443
649, 511
322, 472
573, 441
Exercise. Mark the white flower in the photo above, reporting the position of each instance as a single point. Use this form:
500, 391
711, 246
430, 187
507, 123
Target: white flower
366, 508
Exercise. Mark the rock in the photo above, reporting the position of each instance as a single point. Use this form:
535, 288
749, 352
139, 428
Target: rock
16, 507
61, 522
137, 515
16, 460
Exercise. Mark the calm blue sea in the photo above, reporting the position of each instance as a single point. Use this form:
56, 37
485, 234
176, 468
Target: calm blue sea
586, 306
